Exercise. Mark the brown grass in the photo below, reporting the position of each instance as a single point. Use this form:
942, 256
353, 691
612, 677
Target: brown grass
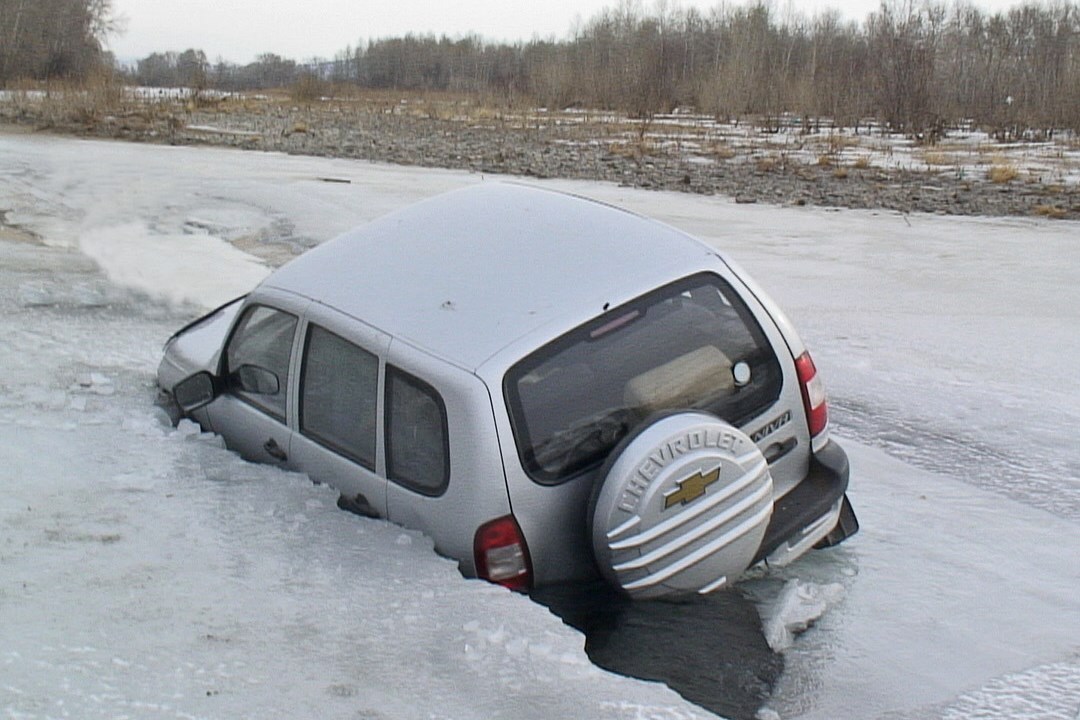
720, 150
862, 162
633, 149
1050, 211
838, 143
1002, 173
86, 103
938, 159
770, 163
834, 141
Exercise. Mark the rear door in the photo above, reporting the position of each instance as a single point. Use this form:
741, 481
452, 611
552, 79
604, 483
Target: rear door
339, 433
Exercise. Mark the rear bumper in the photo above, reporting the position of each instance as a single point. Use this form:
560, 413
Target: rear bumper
812, 510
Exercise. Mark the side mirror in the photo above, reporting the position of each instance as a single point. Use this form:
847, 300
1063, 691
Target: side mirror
256, 380
194, 392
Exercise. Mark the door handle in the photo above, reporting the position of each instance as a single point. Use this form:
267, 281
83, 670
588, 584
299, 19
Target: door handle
274, 450
357, 504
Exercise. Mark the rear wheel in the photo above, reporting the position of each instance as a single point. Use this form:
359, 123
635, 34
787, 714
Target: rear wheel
681, 507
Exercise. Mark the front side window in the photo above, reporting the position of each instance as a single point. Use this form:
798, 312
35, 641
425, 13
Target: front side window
339, 387
690, 345
417, 448
257, 358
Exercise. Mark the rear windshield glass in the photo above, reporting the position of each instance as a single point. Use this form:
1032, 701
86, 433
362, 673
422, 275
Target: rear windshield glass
691, 344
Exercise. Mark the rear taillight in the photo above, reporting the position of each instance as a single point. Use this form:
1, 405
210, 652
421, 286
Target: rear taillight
501, 554
813, 394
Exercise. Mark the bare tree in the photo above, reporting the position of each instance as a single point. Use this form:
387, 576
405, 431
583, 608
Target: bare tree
917, 65
45, 39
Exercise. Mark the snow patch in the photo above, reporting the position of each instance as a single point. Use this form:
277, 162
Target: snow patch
180, 269
799, 605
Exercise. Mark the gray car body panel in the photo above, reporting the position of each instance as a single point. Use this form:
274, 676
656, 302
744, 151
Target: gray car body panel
464, 274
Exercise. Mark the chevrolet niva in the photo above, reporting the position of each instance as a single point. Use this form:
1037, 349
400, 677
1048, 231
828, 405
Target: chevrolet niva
549, 387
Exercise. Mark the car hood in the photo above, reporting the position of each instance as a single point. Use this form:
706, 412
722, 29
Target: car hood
197, 346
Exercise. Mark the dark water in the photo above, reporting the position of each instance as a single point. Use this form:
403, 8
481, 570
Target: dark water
711, 649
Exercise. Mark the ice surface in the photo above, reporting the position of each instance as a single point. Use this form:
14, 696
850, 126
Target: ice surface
145, 571
197, 269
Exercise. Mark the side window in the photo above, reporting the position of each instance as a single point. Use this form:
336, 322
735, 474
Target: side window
339, 388
257, 358
417, 449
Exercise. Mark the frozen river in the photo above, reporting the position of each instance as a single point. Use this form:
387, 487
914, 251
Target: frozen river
146, 572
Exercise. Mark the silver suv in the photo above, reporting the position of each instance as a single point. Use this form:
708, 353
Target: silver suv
548, 387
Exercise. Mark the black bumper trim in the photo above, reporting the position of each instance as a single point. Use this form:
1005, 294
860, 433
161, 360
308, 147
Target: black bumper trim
825, 484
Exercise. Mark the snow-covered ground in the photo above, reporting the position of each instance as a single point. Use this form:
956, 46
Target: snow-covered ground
963, 152
146, 572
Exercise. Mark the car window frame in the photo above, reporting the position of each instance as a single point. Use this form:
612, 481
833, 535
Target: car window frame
393, 372
741, 305
284, 384
309, 327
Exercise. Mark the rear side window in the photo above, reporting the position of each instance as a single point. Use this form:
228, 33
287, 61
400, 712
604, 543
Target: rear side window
339, 389
417, 449
257, 358
690, 345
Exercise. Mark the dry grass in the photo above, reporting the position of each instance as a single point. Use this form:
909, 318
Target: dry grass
834, 142
839, 143
633, 149
1001, 173
720, 150
862, 162
824, 160
940, 159
1050, 211
840, 173
771, 163
958, 148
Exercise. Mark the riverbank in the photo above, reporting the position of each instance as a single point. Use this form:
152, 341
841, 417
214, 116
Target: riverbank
964, 174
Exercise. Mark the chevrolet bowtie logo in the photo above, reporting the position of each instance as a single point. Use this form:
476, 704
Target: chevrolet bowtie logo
691, 488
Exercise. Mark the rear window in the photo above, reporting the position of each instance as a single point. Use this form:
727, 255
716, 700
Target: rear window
689, 345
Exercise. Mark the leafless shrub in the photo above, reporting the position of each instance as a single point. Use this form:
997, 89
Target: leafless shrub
84, 104
308, 88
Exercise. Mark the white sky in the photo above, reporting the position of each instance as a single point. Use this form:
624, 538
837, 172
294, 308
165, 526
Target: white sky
238, 30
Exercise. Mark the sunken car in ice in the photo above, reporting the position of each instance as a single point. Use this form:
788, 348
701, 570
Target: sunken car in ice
548, 387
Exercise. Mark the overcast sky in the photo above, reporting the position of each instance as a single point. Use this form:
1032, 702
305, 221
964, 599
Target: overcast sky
238, 30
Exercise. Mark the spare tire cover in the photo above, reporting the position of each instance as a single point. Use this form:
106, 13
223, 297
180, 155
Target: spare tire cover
683, 507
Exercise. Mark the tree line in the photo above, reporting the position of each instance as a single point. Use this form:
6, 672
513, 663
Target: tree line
52, 39
916, 65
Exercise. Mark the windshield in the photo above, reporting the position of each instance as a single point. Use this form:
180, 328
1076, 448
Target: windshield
690, 345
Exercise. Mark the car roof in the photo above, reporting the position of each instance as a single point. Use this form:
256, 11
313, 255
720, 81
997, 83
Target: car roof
464, 274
